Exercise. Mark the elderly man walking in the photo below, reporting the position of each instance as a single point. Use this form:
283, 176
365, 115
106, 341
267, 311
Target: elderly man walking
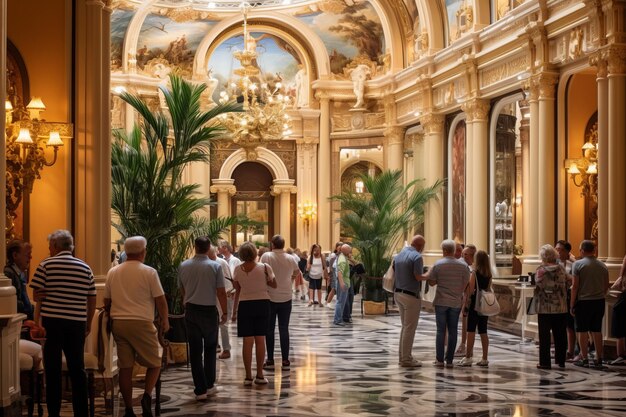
65, 287
131, 292
230, 299
451, 276
202, 284
409, 269
285, 269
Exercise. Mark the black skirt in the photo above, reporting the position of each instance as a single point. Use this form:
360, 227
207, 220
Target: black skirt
618, 322
253, 318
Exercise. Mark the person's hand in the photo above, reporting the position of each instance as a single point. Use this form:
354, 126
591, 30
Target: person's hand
39, 295
165, 326
234, 318
224, 318
87, 330
572, 311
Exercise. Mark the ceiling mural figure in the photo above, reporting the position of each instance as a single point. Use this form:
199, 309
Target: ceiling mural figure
120, 19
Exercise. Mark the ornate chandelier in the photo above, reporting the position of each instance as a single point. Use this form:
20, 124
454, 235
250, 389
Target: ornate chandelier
264, 117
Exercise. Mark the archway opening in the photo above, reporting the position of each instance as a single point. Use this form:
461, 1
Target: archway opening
254, 201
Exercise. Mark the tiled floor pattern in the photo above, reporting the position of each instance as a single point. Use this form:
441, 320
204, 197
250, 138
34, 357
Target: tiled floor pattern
353, 371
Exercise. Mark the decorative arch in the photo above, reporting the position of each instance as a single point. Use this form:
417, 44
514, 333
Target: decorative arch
132, 33
265, 157
362, 158
309, 46
435, 22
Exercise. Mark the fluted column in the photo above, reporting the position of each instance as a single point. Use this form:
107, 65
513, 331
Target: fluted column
284, 189
603, 156
92, 216
531, 251
324, 218
477, 173
524, 133
616, 58
433, 171
394, 143
307, 191
546, 179
225, 189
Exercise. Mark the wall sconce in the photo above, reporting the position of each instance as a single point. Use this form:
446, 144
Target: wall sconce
27, 138
307, 212
359, 187
584, 171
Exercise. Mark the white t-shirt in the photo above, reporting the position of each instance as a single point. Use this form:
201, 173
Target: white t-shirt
233, 262
284, 266
316, 271
132, 288
228, 274
254, 283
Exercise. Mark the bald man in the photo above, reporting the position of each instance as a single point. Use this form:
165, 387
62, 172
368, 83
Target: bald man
408, 266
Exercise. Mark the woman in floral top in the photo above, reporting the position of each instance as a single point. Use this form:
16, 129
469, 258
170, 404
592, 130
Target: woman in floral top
551, 301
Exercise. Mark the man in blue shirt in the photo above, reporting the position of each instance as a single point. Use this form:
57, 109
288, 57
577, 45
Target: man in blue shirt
408, 270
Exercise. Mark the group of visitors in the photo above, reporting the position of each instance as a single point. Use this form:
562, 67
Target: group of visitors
256, 291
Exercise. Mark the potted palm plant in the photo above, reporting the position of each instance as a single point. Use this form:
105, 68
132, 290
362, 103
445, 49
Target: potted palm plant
377, 220
149, 197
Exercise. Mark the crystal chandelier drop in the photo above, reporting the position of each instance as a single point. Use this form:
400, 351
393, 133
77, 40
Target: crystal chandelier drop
264, 117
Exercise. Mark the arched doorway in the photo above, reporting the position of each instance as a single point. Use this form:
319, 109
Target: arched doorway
351, 180
254, 201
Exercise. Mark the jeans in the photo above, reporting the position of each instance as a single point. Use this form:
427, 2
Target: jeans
283, 312
410, 308
202, 328
557, 323
65, 336
447, 318
347, 310
342, 297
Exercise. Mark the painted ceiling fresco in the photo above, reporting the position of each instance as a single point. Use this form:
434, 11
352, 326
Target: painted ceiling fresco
348, 31
276, 60
119, 23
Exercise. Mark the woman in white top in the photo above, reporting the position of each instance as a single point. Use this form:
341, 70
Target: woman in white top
316, 268
251, 280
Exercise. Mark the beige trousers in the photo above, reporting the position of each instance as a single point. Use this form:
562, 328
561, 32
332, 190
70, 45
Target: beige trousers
409, 316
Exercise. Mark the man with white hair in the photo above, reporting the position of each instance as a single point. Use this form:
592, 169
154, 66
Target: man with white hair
451, 276
343, 283
65, 287
131, 292
230, 298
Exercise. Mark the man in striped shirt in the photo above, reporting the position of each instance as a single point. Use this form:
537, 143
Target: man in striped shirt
65, 287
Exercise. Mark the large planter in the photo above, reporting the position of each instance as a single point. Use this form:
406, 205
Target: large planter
373, 289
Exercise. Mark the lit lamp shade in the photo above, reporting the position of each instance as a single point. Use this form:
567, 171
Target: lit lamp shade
24, 137
8, 106
35, 107
54, 139
592, 169
573, 169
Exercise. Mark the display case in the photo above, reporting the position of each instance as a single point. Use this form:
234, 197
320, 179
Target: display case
505, 190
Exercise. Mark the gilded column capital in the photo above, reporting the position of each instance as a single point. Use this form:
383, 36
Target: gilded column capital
276, 190
545, 82
223, 188
476, 109
597, 60
432, 123
615, 57
394, 135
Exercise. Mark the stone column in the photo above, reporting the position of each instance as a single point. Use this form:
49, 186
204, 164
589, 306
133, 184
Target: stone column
433, 171
532, 199
616, 58
324, 218
92, 216
546, 178
394, 143
477, 173
524, 132
284, 189
603, 156
225, 189
307, 192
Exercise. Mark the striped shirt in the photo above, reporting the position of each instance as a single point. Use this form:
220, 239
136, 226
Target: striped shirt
67, 281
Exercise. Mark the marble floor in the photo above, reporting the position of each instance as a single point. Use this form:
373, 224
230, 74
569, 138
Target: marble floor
353, 371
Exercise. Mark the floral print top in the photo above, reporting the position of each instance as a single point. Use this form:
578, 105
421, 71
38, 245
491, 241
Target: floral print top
551, 289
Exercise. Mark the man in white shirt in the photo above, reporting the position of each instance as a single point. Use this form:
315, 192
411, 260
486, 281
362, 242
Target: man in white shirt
285, 269
227, 252
230, 297
131, 293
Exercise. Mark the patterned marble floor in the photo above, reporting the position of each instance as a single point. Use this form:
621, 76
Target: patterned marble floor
353, 371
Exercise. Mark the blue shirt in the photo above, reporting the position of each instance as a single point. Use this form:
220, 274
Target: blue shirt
200, 277
406, 264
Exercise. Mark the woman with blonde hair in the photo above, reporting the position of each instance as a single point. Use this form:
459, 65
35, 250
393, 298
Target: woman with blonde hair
251, 280
479, 279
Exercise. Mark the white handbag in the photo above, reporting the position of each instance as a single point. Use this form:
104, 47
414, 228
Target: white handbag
389, 279
486, 303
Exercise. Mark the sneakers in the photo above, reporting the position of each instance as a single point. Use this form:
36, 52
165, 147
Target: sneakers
247, 382
260, 381
569, 357
465, 361
269, 365
449, 365
483, 362
583, 363
460, 352
598, 364
413, 363
438, 364
202, 397
146, 405
348, 321
286, 364
621, 360
224, 355
211, 391
337, 323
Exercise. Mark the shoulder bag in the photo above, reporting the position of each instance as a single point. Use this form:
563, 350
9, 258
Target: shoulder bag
486, 303
389, 279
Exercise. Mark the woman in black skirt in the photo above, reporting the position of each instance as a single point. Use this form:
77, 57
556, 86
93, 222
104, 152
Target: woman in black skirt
618, 322
251, 280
